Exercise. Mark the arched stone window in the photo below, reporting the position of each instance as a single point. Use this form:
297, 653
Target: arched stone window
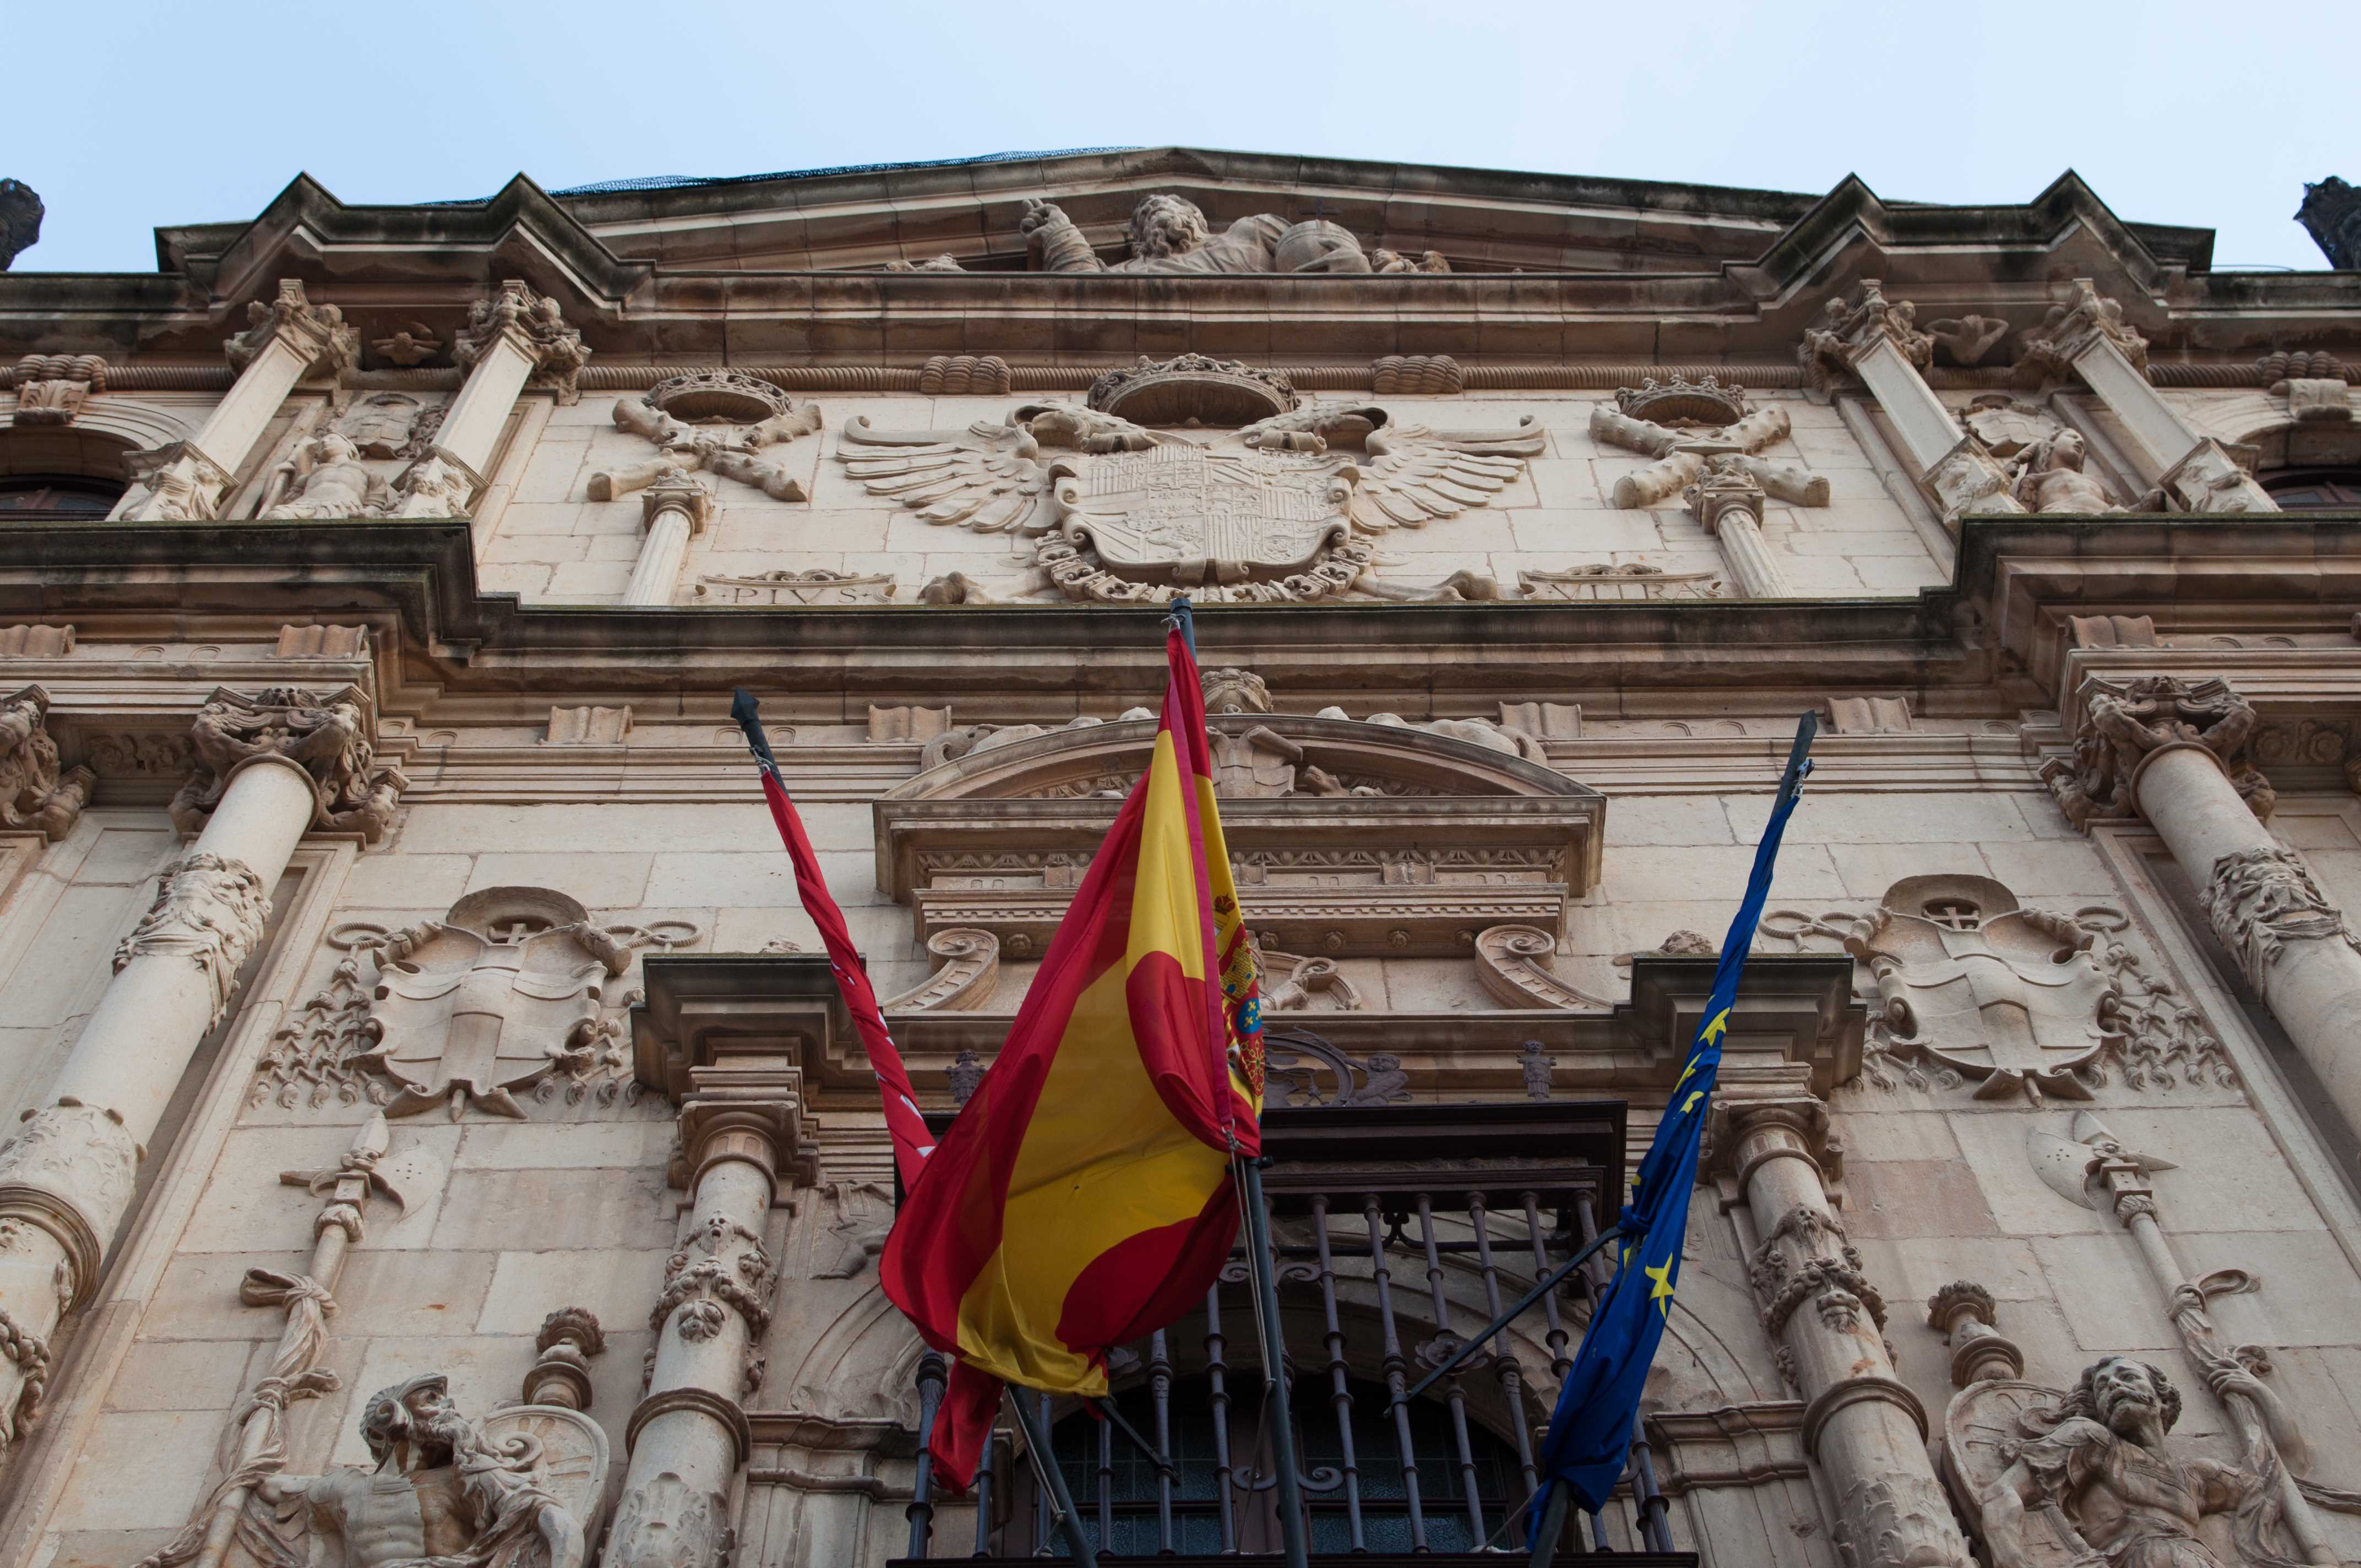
51, 475
2314, 489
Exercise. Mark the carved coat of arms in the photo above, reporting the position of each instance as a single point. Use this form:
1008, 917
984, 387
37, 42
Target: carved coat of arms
1281, 508
489, 999
2006, 995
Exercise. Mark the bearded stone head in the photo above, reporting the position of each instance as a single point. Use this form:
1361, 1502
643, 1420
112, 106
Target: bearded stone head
1167, 226
413, 1425
2116, 1389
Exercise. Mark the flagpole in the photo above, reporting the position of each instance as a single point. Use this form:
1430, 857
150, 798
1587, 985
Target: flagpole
1274, 1360
1052, 1475
1553, 1525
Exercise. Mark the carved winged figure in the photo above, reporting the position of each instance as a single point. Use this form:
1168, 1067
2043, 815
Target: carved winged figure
1277, 505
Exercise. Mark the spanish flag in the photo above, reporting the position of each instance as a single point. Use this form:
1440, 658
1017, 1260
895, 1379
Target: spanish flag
1083, 1198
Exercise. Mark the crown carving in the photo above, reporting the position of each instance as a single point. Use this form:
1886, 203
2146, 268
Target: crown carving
1706, 401
1192, 387
730, 395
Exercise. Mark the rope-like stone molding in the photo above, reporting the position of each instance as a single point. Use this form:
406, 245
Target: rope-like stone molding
30, 1352
1545, 376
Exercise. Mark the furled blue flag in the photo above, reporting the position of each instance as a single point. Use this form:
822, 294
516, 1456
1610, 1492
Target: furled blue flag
1591, 1432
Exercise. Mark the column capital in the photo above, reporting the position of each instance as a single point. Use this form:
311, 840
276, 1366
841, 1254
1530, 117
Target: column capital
35, 792
2069, 331
1745, 1132
531, 323
2126, 723
315, 334
329, 736
675, 490
1848, 330
759, 1124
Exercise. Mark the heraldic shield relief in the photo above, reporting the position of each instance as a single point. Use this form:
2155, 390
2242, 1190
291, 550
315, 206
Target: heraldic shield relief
1283, 505
2009, 997
489, 999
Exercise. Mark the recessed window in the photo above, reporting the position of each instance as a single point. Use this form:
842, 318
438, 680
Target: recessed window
2309, 490
47, 498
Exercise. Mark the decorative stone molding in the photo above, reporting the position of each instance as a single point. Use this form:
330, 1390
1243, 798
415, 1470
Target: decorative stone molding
2125, 722
964, 375
208, 910
1964, 1315
329, 735
2048, 353
1291, 981
36, 793
902, 725
1511, 961
321, 642
2260, 900
2311, 400
1870, 714
536, 325
69, 1171
50, 388
1417, 376
1847, 332
2280, 365
589, 725
569, 1338
34, 641
1617, 581
317, 333
1543, 720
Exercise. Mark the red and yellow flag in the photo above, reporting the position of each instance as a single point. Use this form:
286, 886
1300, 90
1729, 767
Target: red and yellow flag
1083, 1200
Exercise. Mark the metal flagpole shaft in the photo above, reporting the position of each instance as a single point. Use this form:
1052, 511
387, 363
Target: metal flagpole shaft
1037, 1437
1274, 1360
1548, 1283
1552, 1526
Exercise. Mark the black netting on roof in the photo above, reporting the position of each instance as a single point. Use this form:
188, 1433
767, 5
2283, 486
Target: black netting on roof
675, 181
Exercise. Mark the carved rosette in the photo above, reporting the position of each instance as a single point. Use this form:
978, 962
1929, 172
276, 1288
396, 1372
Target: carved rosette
2260, 900
2125, 721
68, 1172
209, 910
329, 735
35, 792
533, 323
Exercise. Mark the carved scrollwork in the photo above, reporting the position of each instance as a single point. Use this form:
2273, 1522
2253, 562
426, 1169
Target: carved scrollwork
1511, 961
971, 967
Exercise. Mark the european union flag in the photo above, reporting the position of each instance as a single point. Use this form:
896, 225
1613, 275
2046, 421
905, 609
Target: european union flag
1591, 1432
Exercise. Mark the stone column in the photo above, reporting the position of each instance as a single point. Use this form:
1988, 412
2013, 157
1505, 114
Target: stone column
288, 339
2090, 338
512, 338
691, 1435
269, 769
674, 511
2174, 752
1728, 500
1877, 341
1863, 1428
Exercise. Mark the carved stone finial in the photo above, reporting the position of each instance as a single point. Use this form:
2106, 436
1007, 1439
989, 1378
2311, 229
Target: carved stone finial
1192, 389
2069, 331
966, 1076
1964, 1315
536, 326
34, 791
569, 1337
2125, 720
2331, 213
317, 331
50, 388
20, 220
1234, 691
329, 735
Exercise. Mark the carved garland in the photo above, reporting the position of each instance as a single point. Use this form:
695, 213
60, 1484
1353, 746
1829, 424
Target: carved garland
2259, 900
210, 910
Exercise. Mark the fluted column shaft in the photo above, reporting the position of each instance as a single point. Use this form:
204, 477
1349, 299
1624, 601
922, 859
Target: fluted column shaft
674, 507
1864, 1427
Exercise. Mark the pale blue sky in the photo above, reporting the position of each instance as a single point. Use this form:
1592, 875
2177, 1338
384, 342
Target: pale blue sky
2210, 115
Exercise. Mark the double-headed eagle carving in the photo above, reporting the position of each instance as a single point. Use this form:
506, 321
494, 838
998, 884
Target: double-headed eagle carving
1278, 508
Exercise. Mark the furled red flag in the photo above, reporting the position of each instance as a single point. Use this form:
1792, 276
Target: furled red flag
1082, 1199
912, 1142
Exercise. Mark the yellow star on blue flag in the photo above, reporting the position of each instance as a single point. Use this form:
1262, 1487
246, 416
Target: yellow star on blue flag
1591, 1430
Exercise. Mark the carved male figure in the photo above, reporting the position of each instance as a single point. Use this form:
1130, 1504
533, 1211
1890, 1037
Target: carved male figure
2051, 478
436, 1496
324, 479
2127, 1499
1170, 233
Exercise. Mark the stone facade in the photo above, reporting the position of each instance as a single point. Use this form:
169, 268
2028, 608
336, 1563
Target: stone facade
401, 989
